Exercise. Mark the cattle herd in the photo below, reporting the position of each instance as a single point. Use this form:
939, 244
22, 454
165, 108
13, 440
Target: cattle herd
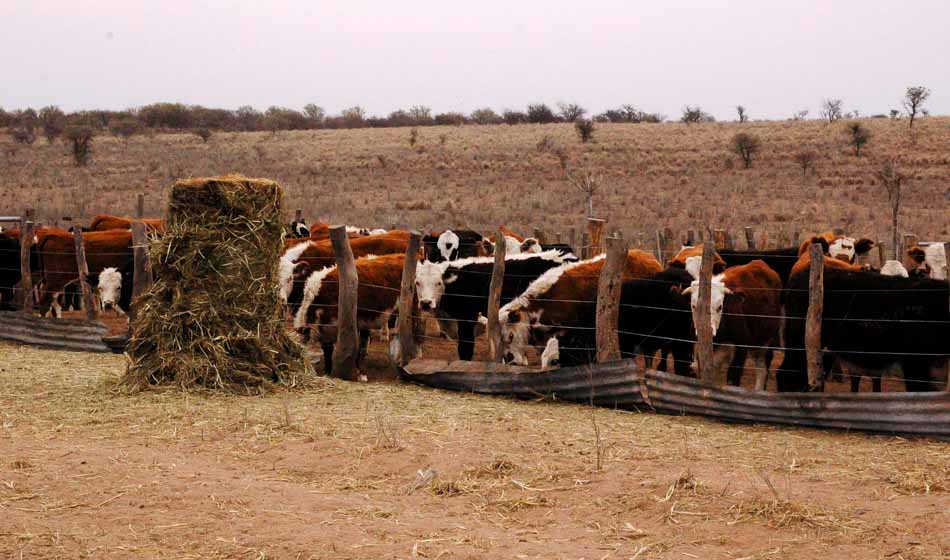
873, 322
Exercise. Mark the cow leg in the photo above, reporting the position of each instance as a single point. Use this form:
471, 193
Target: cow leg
364, 345
466, 344
856, 382
327, 357
683, 358
876, 383
737, 366
761, 359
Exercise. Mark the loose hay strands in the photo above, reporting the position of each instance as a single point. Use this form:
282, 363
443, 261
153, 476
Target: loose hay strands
212, 318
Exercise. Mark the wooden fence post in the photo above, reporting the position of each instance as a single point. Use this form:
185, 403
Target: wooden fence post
796, 237
749, 238
608, 300
140, 206
881, 254
669, 244
407, 289
142, 273
346, 353
494, 301
539, 235
92, 312
816, 300
25, 295
659, 246
585, 246
557, 237
702, 317
719, 238
298, 214
595, 227
690, 238
572, 241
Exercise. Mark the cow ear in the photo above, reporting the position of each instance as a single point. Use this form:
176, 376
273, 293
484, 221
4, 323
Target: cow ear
450, 278
863, 245
302, 268
917, 254
825, 246
487, 247
719, 267
513, 317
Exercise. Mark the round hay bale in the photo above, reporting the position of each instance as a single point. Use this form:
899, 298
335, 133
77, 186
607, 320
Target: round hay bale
213, 316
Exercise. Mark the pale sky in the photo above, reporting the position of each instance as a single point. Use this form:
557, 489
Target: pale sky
773, 57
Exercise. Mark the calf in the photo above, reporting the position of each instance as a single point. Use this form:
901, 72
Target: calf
457, 291
871, 322
931, 261
562, 303
845, 249
378, 296
745, 312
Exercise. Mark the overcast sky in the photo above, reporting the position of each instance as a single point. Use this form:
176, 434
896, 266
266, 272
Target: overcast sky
773, 57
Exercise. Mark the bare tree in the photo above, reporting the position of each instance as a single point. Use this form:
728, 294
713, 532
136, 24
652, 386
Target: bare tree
832, 109
892, 179
314, 113
914, 100
53, 121
80, 140
743, 116
806, 160
570, 112
586, 182
125, 128
800, 115
485, 116
696, 114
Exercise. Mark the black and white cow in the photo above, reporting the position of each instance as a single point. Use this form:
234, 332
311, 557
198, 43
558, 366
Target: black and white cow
457, 291
298, 228
9, 269
872, 322
453, 244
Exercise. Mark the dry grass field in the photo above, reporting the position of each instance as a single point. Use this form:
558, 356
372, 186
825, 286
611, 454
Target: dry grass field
652, 176
380, 470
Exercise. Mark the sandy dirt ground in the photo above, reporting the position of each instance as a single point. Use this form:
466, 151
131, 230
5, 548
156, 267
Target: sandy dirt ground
389, 470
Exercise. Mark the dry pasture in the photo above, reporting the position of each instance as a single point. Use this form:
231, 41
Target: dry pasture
651, 176
382, 470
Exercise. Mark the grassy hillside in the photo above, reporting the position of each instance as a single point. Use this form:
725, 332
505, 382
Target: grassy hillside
651, 176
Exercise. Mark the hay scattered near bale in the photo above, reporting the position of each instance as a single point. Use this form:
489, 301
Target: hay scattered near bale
213, 317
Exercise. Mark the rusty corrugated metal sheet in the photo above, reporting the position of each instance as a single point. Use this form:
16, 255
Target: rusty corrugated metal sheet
60, 334
623, 385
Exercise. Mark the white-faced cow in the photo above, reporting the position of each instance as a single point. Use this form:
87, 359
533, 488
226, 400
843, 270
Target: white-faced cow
931, 261
453, 244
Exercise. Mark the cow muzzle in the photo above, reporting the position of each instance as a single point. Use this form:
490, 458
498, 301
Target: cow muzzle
426, 305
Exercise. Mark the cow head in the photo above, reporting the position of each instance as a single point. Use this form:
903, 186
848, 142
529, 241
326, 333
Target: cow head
520, 329
894, 268
717, 300
530, 245
298, 228
109, 284
430, 284
448, 245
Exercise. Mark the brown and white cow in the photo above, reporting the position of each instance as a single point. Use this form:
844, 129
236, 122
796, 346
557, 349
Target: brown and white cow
301, 260
931, 261
840, 247
562, 303
380, 279
745, 312
56, 252
105, 222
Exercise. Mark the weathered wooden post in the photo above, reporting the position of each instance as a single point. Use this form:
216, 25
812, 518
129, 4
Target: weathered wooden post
749, 238
881, 254
347, 349
640, 241
407, 289
669, 244
92, 311
719, 238
702, 316
796, 237
557, 237
690, 238
659, 246
25, 295
539, 235
585, 246
140, 206
298, 215
595, 228
142, 273
608, 301
572, 241
816, 300
494, 301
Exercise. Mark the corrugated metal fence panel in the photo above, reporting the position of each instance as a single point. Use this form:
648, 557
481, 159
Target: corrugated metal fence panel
60, 334
623, 385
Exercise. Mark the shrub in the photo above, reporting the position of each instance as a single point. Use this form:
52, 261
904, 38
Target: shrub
743, 115
693, 115
746, 146
23, 136
456, 119
570, 112
486, 116
858, 136
203, 132
314, 114
806, 160
80, 140
514, 117
539, 113
832, 109
53, 121
125, 128
585, 129
413, 137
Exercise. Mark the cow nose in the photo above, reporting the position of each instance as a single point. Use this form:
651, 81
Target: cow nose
425, 304
107, 305
509, 357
